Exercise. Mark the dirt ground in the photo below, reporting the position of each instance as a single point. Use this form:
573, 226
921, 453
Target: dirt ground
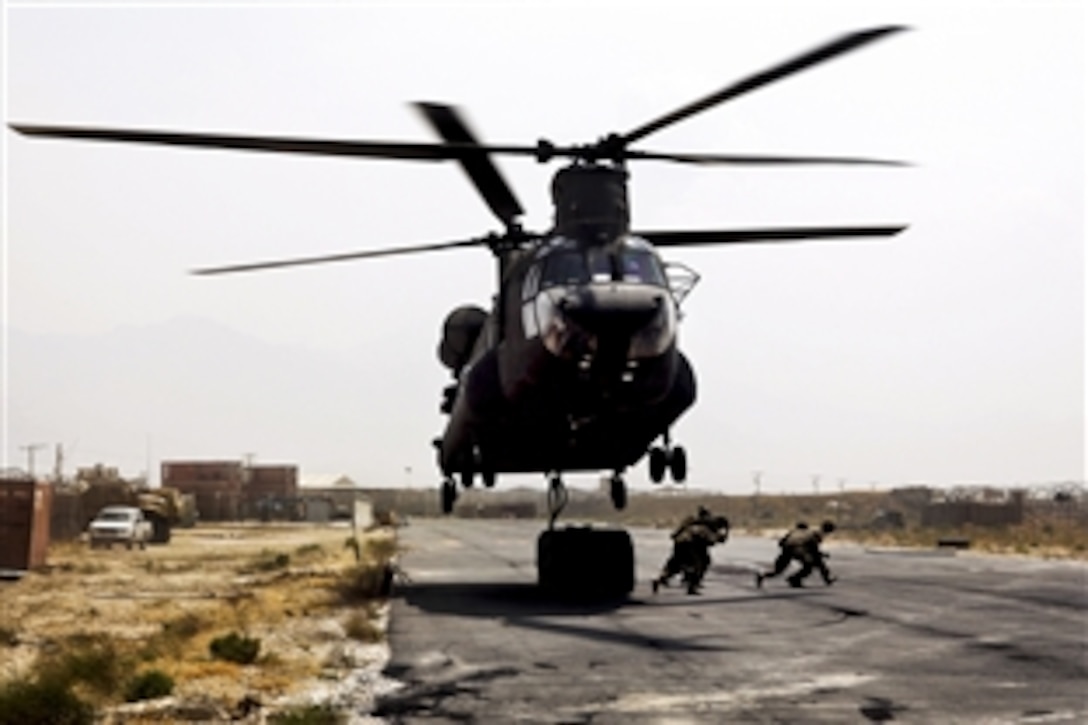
295, 588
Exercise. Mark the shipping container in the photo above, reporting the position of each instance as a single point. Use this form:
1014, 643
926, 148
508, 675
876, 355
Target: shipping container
268, 480
218, 506
215, 485
202, 474
24, 523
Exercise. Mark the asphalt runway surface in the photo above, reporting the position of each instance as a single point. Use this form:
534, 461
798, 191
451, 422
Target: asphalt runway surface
912, 637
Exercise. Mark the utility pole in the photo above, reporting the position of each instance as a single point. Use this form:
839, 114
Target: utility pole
30, 448
816, 483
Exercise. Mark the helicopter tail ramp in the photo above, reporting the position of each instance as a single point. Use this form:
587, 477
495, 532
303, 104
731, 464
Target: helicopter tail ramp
584, 562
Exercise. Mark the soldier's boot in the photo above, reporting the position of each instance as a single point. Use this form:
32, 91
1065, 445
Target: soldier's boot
795, 582
759, 580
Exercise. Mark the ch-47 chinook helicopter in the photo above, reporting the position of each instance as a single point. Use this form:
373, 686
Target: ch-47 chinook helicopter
576, 367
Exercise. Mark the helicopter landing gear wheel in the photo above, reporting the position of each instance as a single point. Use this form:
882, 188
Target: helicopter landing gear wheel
678, 464
557, 498
448, 495
619, 492
471, 467
658, 464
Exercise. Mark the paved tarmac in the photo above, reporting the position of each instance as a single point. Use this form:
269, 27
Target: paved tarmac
912, 637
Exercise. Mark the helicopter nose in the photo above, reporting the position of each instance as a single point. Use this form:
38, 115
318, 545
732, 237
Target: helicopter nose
613, 309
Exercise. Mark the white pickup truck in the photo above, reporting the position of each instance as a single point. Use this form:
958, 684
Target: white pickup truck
119, 525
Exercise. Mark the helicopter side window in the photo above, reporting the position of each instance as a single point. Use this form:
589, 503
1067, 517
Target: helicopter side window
562, 269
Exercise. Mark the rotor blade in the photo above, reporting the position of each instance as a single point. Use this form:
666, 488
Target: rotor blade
802, 62
744, 236
373, 149
344, 257
759, 160
473, 156
485, 176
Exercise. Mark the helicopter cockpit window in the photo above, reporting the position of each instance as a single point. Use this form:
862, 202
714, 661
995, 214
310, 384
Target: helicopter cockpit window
600, 266
563, 268
640, 265
572, 267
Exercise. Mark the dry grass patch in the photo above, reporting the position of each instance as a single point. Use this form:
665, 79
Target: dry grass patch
296, 590
1048, 539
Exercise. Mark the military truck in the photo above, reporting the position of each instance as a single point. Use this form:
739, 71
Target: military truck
166, 508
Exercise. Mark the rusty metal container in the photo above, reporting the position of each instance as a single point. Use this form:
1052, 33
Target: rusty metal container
198, 476
24, 523
271, 481
215, 485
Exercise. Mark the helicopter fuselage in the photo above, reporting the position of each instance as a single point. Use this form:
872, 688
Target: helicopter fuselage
575, 369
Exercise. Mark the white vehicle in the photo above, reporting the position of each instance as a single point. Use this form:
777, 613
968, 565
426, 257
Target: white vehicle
119, 525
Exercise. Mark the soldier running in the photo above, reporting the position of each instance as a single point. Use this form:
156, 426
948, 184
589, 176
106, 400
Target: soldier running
691, 542
802, 545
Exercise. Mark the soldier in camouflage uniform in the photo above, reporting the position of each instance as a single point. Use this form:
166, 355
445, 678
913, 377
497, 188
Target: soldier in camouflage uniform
691, 542
802, 545
716, 531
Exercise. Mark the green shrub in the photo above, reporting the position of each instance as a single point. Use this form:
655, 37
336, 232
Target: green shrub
309, 550
235, 648
268, 561
43, 701
92, 661
183, 627
173, 636
149, 685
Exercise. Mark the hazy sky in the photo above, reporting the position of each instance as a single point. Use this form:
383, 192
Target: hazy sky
953, 353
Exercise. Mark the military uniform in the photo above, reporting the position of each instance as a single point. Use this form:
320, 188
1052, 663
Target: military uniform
691, 549
802, 545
